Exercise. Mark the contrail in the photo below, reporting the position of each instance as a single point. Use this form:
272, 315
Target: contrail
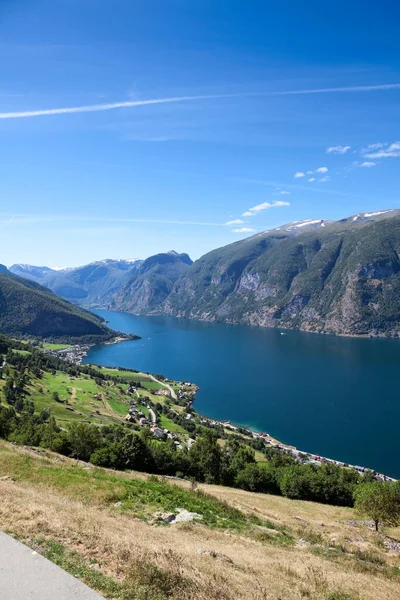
174, 99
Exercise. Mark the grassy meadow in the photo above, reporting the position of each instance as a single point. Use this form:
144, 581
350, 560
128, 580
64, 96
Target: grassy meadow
105, 527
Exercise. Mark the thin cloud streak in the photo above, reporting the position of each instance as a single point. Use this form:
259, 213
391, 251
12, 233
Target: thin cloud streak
300, 187
134, 103
29, 219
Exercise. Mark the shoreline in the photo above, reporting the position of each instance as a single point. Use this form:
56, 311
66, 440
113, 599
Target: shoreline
295, 452
365, 336
266, 437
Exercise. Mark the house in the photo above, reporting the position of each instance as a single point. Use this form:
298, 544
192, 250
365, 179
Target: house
163, 392
158, 433
190, 442
143, 421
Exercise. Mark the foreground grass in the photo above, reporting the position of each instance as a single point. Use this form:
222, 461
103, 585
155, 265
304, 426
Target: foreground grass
139, 497
102, 527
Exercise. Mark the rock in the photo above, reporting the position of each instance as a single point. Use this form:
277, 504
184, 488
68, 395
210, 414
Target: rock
226, 558
392, 545
302, 543
320, 523
162, 517
357, 523
7, 478
184, 516
168, 518
95, 567
117, 504
181, 516
214, 554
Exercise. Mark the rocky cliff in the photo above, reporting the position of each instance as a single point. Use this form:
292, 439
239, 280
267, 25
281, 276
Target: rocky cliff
338, 277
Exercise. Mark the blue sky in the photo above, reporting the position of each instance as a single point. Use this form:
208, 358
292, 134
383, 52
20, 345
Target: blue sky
247, 96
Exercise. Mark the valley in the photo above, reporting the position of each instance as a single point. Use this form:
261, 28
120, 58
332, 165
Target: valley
335, 277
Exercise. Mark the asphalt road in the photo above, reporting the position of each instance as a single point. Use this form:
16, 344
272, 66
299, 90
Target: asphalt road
25, 575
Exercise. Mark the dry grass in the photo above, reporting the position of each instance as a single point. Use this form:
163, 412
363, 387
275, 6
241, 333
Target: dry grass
149, 562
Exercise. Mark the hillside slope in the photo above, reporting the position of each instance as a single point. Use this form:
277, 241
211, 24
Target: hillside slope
92, 285
151, 284
28, 309
106, 528
339, 277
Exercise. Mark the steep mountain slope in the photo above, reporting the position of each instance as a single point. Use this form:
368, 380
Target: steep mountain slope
27, 308
91, 285
152, 283
337, 277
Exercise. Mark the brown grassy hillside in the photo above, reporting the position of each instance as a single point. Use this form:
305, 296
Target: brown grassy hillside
102, 526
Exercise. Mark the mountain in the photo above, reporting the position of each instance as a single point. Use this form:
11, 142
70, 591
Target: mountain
92, 285
338, 277
29, 309
152, 282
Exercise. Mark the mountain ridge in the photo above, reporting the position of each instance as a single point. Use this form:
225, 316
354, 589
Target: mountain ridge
340, 277
31, 310
89, 286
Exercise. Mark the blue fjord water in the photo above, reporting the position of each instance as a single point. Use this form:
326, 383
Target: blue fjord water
334, 396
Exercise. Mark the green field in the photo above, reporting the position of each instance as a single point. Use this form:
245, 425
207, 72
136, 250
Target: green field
166, 423
85, 398
77, 398
48, 346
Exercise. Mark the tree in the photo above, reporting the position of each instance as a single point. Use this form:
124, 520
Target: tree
134, 453
380, 501
257, 478
83, 439
205, 458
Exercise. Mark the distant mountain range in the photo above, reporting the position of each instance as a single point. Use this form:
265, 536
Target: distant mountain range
92, 286
338, 277
29, 309
150, 285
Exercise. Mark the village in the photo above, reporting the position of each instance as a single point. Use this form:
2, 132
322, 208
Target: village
184, 398
166, 410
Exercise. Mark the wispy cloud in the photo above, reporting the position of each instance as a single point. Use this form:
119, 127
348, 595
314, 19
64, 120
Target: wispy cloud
43, 219
320, 170
6, 222
295, 186
324, 179
338, 149
368, 164
243, 230
264, 206
284, 193
134, 103
235, 222
382, 150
